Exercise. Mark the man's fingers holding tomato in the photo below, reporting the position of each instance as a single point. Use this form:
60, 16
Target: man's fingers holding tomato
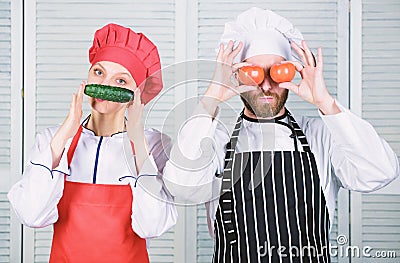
237, 66
297, 64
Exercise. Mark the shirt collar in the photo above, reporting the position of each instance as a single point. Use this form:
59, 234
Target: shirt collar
276, 119
91, 132
282, 121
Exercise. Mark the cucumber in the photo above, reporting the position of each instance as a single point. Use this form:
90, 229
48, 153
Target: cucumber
110, 93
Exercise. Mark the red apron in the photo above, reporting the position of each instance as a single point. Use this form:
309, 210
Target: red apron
94, 223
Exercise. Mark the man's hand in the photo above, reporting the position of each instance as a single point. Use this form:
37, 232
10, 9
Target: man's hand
222, 88
312, 87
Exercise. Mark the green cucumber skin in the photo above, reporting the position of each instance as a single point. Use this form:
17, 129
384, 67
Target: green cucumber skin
110, 93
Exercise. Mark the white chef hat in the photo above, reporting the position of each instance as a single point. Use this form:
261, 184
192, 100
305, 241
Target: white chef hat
262, 32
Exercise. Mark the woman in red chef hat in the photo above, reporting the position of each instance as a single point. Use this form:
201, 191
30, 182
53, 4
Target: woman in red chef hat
78, 176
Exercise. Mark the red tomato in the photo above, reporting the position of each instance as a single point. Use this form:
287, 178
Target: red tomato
251, 75
282, 72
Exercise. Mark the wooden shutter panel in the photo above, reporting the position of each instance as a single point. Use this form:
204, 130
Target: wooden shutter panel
380, 62
5, 128
5, 84
376, 214
4, 228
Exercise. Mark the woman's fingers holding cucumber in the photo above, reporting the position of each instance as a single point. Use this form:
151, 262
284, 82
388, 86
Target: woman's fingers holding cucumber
69, 127
72, 122
135, 112
135, 109
76, 104
80, 93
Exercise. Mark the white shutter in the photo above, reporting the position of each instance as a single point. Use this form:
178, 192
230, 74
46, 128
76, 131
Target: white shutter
64, 33
380, 225
10, 125
205, 244
375, 216
334, 233
42, 244
380, 62
5, 243
162, 249
5, 84
319, 23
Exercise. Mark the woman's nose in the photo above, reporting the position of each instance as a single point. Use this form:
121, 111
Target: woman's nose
106, 81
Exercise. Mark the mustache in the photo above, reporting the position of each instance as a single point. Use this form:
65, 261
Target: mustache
267, 93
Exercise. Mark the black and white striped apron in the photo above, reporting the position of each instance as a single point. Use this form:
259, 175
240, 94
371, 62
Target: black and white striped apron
272, 207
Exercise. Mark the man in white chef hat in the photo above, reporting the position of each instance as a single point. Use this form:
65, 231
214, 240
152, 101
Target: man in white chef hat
276, 198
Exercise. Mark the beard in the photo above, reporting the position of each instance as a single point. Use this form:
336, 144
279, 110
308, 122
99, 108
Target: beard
264, 110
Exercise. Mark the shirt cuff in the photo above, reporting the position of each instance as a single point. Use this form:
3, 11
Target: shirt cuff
149, 167
45, 159
63, 165
341, 126
148, 178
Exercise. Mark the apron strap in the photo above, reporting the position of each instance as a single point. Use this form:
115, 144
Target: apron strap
298, 133
231, 146
74, 143
226, 196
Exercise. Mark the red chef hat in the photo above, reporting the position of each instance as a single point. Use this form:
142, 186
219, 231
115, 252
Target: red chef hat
132, 50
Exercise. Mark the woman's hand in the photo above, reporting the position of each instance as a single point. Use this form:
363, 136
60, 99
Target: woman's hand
222, 88
312, 87
135, 130
134, 125
69, 127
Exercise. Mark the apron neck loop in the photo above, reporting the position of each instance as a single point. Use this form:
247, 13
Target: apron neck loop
73, 145
297, 133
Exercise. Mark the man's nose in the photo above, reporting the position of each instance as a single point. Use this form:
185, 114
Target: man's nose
266, 84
